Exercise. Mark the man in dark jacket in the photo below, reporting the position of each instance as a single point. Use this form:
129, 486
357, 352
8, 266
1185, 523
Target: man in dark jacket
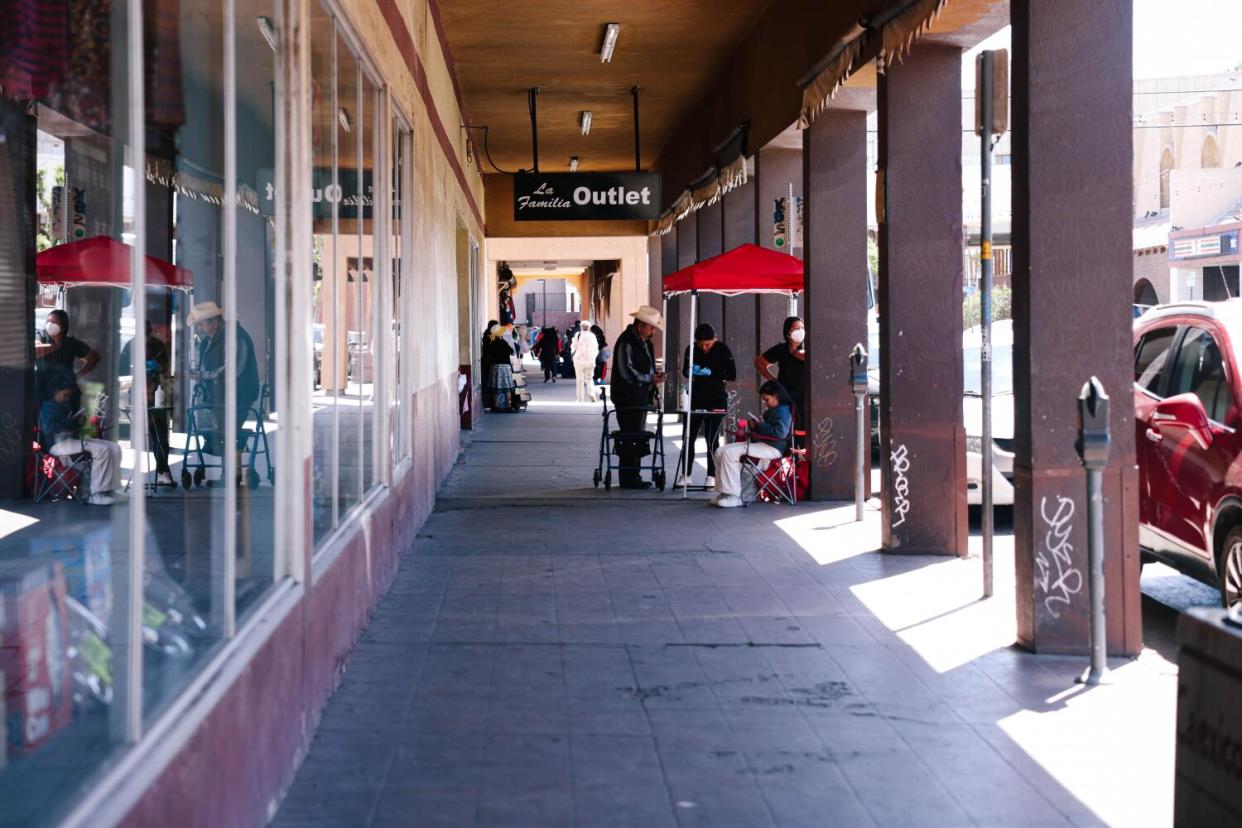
207, 319
634, 381
713, 367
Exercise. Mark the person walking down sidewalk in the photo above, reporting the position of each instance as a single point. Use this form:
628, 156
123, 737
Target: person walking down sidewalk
500, 372
768, 439
713, 367
548, 349
634, 383
585, 348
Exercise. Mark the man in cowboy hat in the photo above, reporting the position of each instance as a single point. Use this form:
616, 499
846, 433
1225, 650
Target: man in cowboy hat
207, 319
634, 383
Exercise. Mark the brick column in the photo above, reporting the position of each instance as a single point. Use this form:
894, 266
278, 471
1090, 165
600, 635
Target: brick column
1072, 284
834, 156
711, 305
775, 169
672, 333
922, 443
738, 227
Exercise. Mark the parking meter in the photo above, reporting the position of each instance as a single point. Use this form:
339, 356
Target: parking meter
858, 384
1093, 434
858, 369
1092, 446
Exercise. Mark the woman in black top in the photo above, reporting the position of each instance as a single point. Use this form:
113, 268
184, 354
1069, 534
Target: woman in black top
713, 367
57, 355
789, 358
548, 349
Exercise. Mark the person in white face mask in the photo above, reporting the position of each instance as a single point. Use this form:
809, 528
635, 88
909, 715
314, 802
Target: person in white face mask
61, 356
789, 359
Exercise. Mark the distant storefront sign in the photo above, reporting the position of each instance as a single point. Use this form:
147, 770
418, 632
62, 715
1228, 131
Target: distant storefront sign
586, 196
341, 192
1204, 247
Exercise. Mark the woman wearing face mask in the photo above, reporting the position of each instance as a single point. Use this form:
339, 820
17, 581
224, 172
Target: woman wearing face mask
789, 358
58, 355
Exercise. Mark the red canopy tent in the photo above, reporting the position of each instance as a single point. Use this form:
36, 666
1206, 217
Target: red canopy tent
748, 268
101, 261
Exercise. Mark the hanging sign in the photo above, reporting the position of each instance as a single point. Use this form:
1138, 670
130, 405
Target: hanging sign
586, 196
781, 223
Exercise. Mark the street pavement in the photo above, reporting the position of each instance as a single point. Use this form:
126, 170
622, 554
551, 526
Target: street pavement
551, 654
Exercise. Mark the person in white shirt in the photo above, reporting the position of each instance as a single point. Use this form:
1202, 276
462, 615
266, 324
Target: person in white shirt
585, 348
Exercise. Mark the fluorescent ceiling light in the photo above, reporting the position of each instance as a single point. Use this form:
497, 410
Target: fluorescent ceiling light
343, 117
573, 163
611, 31
586, 122
268, 31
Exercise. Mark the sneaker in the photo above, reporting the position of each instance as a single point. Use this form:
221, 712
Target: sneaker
101, 499
681, 481
715, 501
710, 482
164, 479
729, 502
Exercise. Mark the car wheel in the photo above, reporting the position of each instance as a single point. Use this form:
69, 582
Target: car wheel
1231, 568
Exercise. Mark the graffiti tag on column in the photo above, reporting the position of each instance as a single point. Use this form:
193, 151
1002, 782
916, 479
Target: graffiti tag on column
1056, 574
825, 443
730, 420
901, 484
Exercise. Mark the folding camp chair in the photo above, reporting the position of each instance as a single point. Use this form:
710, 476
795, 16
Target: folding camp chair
780, 480
67, 477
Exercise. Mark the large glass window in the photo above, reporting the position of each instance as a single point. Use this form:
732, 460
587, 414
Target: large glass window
397, 433
347, 141
129, 404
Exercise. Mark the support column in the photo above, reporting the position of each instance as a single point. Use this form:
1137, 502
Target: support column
709, 232
834, 162
672, 336
737, 228
775, 170
922, 442
687, 254
1072, 277
655, 286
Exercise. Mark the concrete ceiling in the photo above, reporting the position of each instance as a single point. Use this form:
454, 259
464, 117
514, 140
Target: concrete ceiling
672, 50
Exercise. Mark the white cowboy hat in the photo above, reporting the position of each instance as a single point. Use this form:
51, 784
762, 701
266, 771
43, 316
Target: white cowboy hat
203, 311
650, 315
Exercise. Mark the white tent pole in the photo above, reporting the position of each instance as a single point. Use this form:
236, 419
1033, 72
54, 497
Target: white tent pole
687, 448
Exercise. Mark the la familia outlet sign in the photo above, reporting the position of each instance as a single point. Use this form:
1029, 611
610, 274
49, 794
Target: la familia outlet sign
586, 196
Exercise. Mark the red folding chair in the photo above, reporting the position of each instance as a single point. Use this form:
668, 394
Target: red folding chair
783, 480
66, 477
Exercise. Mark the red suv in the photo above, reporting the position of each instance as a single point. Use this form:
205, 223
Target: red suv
1186, 392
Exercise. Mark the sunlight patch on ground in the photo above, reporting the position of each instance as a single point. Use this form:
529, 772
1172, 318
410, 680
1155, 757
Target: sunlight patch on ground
12, 522
831, 535
1090, 738
939, 612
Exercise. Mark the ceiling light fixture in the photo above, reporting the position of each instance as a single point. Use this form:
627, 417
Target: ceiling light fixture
268, 31
573, 163
611, 32
586, 122
343, 117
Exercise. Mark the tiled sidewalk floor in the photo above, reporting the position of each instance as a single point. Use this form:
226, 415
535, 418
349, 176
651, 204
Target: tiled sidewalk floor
550, 655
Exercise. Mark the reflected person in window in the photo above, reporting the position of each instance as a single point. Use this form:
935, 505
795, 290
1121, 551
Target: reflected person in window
60, 426
208, 322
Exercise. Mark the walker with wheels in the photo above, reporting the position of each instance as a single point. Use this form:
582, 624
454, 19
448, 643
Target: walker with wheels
654, 448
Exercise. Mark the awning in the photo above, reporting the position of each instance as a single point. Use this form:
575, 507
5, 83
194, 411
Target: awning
101, 261
745, 269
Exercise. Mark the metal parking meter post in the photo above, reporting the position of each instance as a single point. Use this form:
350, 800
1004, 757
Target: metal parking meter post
858, 383
1092, 445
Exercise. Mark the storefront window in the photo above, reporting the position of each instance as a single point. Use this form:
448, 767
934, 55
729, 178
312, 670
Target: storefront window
85, 451
397, 436
67, 181
346, 296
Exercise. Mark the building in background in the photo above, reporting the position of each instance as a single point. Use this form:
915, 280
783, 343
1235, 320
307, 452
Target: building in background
1187, 187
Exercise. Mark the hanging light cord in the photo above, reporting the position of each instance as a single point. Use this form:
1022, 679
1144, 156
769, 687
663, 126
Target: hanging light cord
486, 152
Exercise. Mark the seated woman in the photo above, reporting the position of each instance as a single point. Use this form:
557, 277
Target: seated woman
768, 439
59, 425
